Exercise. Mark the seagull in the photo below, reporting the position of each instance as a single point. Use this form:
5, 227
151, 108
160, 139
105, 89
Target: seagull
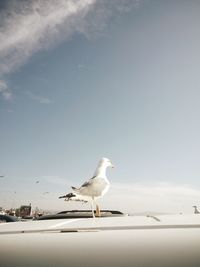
196, 211
94, 188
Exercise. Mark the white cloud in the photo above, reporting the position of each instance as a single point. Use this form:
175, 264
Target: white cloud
30, 26
4, 90
157, 197
34, 25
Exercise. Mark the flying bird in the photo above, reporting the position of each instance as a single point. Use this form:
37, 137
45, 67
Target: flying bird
94, 188
196, 211
37, 182
1, 176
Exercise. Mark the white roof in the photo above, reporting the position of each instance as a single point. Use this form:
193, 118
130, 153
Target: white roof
167, 240
129, 222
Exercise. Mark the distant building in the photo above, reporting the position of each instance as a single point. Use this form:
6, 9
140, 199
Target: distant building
23, 211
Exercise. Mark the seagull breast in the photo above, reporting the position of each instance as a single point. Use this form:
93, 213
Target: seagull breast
95, 187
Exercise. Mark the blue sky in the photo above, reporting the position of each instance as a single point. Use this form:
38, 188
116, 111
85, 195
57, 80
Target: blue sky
84, 79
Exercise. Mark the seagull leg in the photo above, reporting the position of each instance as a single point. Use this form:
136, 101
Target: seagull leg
98, 211
92, 206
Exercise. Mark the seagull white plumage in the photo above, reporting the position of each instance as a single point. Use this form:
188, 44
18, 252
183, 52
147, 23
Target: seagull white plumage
94, 188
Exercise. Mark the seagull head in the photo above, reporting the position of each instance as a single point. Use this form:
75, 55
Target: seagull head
106, 162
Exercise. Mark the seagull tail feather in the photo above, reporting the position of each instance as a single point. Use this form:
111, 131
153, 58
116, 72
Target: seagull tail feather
74, 197
68, 196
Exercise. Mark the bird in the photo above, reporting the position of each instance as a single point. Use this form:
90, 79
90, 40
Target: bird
196, 211
94, 188
1, 176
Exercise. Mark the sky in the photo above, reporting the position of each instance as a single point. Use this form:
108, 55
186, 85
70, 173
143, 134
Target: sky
85, 79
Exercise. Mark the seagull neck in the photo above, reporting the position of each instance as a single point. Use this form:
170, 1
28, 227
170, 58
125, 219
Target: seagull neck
100, 171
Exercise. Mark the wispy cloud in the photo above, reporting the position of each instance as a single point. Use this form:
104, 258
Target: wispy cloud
30, 26
55, 180
39, 99
160, 197
34, 25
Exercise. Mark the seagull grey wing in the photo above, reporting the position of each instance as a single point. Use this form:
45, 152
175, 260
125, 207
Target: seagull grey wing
87, 183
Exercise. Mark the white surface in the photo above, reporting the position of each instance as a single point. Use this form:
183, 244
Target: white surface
128, 221
132, 247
